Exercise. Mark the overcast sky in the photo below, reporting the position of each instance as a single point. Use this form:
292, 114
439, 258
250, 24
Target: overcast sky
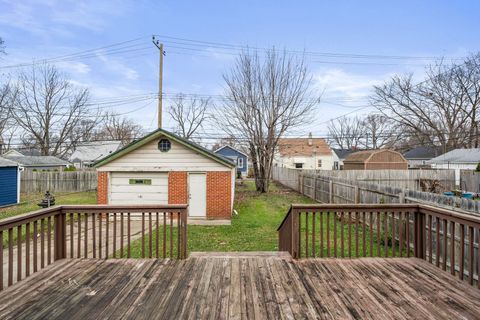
403, 35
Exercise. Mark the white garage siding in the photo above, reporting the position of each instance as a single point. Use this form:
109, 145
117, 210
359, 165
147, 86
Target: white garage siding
149, 158
124, 192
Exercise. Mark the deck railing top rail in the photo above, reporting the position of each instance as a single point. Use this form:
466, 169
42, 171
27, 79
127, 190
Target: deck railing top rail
447, 238
34, 240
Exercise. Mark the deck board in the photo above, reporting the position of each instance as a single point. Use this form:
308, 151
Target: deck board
241, 287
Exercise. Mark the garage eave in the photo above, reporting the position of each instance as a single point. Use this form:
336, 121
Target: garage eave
159, 133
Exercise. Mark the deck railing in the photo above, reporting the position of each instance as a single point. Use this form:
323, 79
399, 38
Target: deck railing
445, 238
34, 240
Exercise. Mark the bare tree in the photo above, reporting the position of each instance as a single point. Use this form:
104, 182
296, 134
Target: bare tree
189, 114
49, 108
266, 97
8, 95
378, 132
442, 110
346, 132
116, 127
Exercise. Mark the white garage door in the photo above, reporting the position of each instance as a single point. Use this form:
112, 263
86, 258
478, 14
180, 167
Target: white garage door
139, 188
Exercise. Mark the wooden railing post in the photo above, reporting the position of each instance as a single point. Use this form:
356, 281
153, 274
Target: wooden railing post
295, 234
357, 195
183, 244
419, 237
60, 237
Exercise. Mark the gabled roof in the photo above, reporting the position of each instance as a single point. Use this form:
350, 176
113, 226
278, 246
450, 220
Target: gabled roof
230, 147
23, 152
424, 153
458, 156
40, 161
343, 153
95, 150
7, 163
301, 147
164, 133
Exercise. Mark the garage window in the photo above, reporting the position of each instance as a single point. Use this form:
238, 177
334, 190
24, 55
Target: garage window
140, 181
164, 145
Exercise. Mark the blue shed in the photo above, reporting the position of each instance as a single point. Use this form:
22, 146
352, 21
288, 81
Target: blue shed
9, 182
238, 157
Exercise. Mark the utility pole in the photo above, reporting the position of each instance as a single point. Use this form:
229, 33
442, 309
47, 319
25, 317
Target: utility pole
159, 45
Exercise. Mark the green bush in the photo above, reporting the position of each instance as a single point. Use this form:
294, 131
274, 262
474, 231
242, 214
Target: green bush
478, 167
71, 168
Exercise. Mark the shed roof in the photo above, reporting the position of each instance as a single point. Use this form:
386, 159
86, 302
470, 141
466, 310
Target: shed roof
157, 134
31, 161
301, 147
365, 155
95, 150
458, 156
7, 163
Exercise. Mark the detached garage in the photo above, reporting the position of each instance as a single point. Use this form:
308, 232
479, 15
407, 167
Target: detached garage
9, 182
163, 168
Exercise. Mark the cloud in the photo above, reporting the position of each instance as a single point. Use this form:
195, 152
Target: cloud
336, 82
118, 67
58, 17
74, 68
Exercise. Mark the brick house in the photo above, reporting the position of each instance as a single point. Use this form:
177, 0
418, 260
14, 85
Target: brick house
163, 168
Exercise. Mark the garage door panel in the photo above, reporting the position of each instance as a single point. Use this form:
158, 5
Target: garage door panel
122, 192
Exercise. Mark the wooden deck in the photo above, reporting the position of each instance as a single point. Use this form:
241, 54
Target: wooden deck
241, 287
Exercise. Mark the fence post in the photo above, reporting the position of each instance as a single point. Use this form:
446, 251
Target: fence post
295, 234
357, 195
60, 237
330, 191
401, 197
315, 187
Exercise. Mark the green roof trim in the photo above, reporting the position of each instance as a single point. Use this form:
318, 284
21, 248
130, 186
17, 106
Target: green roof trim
157, 134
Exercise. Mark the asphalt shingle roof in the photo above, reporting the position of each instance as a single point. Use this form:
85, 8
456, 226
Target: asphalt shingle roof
7, 163
459, 156
38, 160
93, 151
343, 153
422, 153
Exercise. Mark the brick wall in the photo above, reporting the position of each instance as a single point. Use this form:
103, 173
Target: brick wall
219, 195
177, 187
102, 188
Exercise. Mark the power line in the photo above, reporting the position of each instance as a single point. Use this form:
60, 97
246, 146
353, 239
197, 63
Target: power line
227, 46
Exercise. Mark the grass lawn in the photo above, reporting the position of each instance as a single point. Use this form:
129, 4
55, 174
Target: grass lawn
29, 202
253, 229
255, 226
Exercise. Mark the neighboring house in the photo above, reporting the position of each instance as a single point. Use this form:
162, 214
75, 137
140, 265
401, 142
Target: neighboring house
37, 162
9, 182
339, 155
88, 153
304, 153
237, 156
419, 156
378, 159
22, 152
163, 168
457, 160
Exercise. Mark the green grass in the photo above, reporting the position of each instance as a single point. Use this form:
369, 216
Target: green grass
253, 229
29, 202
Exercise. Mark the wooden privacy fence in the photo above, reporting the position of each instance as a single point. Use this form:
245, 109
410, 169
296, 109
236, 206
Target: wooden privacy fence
34, 240
384, 230
406, 179
71, 181
470, 181
328, 189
